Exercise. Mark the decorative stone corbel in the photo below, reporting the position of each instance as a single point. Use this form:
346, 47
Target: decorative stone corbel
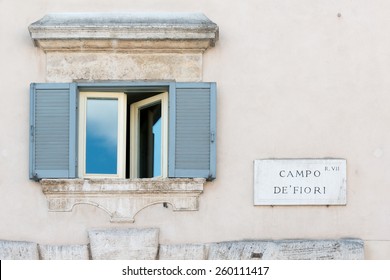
122, 199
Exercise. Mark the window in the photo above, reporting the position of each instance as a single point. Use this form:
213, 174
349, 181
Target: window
123, 130
149, 137
102, 141
102, 134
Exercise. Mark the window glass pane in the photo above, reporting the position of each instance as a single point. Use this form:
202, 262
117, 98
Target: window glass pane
157, 148
150, 141
101, 136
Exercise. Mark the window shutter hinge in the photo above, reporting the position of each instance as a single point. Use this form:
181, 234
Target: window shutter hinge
35, 177
32, 132
212, 137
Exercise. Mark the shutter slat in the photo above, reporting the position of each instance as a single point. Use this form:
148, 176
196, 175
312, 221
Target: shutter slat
192, 129
53, 120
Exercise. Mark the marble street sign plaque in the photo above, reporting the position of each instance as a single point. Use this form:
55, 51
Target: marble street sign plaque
300, 182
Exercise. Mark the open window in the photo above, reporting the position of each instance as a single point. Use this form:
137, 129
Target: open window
102, 135
115, 144
123, 130
149, 137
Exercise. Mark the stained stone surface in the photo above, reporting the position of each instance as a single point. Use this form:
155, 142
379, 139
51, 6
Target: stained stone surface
182, 252
142, 244
342, 249
122, 199
124, 46
64, 252
66, 67
347, 249
18, 250
239, 250
124, 244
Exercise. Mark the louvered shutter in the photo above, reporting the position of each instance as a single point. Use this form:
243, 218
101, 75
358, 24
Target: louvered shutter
52, 131
192, 130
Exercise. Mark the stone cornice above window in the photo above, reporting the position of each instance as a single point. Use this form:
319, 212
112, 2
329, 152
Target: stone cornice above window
122, 199
124, 32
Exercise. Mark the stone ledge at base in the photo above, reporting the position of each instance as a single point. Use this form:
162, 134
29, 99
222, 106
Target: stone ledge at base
18, 250
183, 252
142, 244
124, 244
64, 252
341, 249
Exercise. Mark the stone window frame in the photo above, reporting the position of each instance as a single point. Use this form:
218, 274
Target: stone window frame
178, 41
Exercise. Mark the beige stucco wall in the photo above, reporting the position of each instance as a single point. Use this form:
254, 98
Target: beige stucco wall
296, 79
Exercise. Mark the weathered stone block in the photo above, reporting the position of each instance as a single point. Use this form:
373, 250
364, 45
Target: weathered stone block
66, 67
64, 252
342, 249
131, 46
348, 249
238, 250
124, 244
18, 250
182, 252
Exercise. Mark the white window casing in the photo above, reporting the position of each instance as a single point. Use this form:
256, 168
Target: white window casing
121, 138
135, 138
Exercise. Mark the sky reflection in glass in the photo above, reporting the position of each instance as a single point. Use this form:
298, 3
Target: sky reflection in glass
102, 136
157, 149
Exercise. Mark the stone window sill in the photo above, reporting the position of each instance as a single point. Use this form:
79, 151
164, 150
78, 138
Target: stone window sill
122, 199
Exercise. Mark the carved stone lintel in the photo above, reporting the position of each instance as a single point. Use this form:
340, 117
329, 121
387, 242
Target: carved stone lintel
122, 199
124, 46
